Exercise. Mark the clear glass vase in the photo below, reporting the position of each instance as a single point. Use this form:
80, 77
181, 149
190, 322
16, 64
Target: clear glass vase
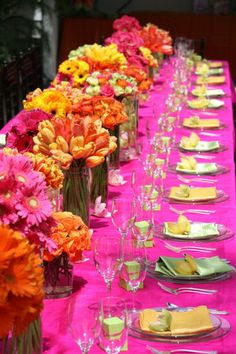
114, 157
76, 190
58, 277
129, 129
29, 342
99, 182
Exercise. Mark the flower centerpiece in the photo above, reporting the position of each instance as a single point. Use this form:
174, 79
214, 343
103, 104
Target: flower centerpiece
100, 57
21, 294
72, 237
74, 71
23, 128
24, 201
76, 145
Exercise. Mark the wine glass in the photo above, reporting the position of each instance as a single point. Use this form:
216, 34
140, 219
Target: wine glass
143, 227
83, 323
133, 270
122, 215
107, 258
113, 317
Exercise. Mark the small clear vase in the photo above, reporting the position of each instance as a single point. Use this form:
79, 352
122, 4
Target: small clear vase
129, 129
99, 182
58, 277
114, 157
29, 342
76, 190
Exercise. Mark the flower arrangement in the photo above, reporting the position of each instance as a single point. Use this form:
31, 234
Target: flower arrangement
110, 84
147, 54
110, 111
49, 100
21, 292
24, 127
24, 202
74, 71
70, 235
140, 76
127, 24
66, 140
156, 39
100, 57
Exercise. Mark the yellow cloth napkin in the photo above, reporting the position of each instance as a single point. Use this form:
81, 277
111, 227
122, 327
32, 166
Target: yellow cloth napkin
195, 194
211, 80
181, 227
196, 320
201, 123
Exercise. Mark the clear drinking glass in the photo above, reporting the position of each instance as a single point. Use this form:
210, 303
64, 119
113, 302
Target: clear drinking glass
122, 215
143, 227
107, 258
83, 324
113, 317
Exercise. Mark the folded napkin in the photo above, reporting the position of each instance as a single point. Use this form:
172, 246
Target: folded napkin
201, 91
191, 230
200, 168
202, 102
211, 71
186, 193
196, 122
196, 320
217, 80
115, 178
194, 143
171, 266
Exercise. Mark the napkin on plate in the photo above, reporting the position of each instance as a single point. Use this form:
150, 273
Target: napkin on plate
189, 164
186, 193
171, 266
203, 102
201, 91
196, 320
196, 122
193, 143
217, 80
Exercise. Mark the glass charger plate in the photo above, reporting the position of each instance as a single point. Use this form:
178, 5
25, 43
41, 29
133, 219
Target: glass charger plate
219, 149
221, 126
220, 197
224, 234
220, 331
220, 170
192, 279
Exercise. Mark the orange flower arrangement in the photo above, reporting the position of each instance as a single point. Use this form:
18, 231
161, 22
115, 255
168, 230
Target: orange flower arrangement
46, 165
110, 111
66, 140
49, 100
144, 83
156, 39
21, 283
71, 235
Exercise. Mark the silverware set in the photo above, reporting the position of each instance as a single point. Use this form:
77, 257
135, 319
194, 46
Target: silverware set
186, 289
155, 351
188, 248
191, 211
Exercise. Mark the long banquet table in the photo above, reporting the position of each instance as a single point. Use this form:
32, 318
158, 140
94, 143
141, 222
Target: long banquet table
90, 286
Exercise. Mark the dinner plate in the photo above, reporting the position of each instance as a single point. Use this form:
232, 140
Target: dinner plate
187, 279
219, 170
218, 149
221, 126
209, 93
224, 234
211, 104
221, 196
219, 332
216, 322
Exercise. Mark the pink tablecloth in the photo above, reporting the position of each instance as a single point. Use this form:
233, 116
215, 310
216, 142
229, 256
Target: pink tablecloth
90, 286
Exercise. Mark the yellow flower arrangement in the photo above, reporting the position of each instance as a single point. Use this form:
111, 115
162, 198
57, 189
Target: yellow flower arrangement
50, 101
75, 71
148, 56
108, 54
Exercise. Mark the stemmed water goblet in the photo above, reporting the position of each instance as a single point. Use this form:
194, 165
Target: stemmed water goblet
113, 317
143, 227
122, 215
107, 258
83, 323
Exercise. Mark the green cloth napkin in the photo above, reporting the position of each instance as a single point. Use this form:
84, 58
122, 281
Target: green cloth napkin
215, 71
204, 146
206, 266
200, 168
209, 93
215, 103
198, 229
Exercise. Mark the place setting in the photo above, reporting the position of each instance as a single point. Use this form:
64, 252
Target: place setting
201, 123
193, 143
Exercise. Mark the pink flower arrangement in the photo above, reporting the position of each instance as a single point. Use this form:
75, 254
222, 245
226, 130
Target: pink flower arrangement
24, 203
24, 128
126, 23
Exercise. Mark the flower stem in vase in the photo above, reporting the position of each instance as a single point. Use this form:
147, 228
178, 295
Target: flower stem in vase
114, 157
76, 194
99, 182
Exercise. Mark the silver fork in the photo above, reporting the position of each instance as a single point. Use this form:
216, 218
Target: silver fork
202, 180
181, 290
191, 211
188, 248
155, 351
